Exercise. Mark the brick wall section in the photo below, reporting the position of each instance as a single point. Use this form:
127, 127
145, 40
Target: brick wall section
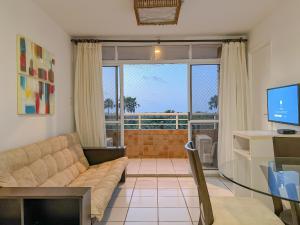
156, 143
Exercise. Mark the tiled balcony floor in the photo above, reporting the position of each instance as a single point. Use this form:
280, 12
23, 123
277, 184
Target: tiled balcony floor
173, 167
159, 201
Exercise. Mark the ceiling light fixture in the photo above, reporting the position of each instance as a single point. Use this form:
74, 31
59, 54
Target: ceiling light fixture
157, 50
157, 53
157, 12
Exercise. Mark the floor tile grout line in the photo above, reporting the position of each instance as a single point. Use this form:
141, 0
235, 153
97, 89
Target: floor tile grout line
173, 166
140, 166
143, 159
140, 162
157, 195
157, 210
130, 201
185, 202
173, 172
156, 179
165, 207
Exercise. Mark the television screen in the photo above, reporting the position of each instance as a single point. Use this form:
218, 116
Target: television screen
283, 104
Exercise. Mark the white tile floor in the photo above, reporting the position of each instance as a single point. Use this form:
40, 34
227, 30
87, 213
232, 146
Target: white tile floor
159, 201
170, 167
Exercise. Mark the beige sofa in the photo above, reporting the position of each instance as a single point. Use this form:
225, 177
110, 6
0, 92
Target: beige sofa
60, 162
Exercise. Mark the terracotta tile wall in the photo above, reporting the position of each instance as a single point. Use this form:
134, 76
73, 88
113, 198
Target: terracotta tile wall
156, 143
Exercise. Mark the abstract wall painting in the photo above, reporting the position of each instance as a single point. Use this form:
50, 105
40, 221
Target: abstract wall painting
35, 72
34, 96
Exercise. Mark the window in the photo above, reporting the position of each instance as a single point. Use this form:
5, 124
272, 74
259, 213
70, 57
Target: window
205, 90
111, 93
151, 91
162, 52
155, 81
205, 112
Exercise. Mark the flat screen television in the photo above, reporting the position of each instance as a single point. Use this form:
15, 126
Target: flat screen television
284, 104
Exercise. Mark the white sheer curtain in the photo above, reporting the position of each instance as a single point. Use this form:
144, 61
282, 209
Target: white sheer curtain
234, 101
88, 95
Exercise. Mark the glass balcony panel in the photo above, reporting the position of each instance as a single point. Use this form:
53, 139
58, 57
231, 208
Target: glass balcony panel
113, 134
205, 138
205, 91
111, 92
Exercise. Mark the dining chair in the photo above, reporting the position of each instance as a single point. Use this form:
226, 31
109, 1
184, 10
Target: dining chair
286, 147
283, 184
286, 153
226, 210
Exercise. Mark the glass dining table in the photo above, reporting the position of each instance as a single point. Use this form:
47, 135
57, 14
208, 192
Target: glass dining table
277, 177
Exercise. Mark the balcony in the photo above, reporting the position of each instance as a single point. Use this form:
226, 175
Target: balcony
156, 135
145, 118
163, 136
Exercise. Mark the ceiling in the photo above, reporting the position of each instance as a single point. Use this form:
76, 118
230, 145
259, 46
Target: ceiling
116, 18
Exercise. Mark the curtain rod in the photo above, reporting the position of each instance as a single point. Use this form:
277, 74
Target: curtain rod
156, 41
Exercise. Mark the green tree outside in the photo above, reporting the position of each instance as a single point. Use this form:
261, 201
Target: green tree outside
170, 111
108, 104
130, 104
213, 102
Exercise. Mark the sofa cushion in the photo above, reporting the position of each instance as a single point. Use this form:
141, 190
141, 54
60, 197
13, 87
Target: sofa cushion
51, 165
39, 170
25, 177
56, 161
103, 179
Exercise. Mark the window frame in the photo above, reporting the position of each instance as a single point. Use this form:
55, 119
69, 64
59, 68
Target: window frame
190, 61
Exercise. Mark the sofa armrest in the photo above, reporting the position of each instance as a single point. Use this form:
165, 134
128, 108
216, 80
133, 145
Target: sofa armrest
100, 155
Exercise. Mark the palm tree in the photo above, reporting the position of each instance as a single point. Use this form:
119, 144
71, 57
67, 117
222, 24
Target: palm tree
170, 111
108, 104
213, 102
130, 104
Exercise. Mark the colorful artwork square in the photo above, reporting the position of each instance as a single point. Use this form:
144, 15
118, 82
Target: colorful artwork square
35, 73
34, 97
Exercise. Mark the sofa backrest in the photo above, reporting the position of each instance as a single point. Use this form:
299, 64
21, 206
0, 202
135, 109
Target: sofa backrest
56, 162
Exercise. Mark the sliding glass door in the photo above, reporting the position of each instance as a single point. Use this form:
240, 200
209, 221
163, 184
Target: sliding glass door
113, 101
204, 112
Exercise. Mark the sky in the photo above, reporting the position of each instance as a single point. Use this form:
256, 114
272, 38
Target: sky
160, 87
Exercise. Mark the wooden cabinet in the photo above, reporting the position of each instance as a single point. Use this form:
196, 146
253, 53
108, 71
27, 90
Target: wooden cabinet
45, 206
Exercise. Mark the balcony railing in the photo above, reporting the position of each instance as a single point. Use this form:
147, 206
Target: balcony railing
172, 121
162, 135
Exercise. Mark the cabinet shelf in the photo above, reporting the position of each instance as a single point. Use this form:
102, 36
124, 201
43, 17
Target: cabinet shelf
248, 146
244, 153
47, 206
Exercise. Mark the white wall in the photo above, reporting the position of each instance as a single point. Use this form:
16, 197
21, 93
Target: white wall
274, 58
25, 18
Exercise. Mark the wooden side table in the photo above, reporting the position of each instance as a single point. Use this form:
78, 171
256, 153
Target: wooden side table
45, 206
